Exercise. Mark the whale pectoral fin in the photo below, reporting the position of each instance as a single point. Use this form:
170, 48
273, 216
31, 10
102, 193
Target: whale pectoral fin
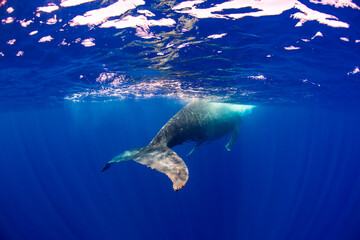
194, 149
233, 138
166, 161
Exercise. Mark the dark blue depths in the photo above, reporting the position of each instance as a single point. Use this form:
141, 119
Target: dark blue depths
293, 174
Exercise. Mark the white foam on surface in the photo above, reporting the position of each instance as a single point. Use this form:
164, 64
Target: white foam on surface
63, 42
71, 3
291, 48
318, 34
184, 45
355, 71
89, 42
51, 21
8, 20
9, 10
307, 14
146, 13
20, 53
265, 8
337, 3
344, 39
25, 23
187, 4
33, 32
46, 39
136, 22
98, 16
215, 36
49, 8
11, 42
140, 23
258, 77
105, 76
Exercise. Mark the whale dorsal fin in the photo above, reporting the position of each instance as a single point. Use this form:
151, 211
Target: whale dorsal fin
165, 160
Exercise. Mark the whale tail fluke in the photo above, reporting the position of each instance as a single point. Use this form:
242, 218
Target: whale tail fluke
166, 161
123, 157
160, 158
107, 165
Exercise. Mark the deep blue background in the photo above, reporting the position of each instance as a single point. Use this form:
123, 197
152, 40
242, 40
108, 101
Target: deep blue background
293, 174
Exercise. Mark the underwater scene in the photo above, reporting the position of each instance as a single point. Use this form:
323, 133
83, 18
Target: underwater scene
174, 119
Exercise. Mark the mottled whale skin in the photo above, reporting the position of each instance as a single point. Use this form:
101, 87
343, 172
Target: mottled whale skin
199, 121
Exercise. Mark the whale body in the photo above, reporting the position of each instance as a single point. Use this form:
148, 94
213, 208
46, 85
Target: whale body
199, 121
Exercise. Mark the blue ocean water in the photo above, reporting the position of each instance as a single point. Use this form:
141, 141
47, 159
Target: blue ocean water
82, 81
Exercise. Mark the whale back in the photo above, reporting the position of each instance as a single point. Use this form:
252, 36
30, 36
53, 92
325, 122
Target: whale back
198, 121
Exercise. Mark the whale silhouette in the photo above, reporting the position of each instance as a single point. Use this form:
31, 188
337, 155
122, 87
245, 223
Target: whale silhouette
199, 121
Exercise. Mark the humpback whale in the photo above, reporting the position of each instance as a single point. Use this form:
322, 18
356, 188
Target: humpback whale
199, 121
